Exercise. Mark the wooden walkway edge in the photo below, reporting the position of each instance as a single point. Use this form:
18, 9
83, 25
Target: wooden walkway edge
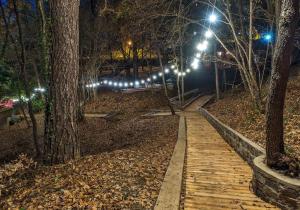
169, 195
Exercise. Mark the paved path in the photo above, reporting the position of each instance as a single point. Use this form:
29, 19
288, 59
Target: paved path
216, 177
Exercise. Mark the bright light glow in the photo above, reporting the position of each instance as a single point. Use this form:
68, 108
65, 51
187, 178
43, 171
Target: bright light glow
212, 18
137, 83
41, 90
184, 74
208, 34
126, 84
220, 54
120, 84
167, 71
115, 84
110, 83
143, 81
198, 55
173, 67
105, 82
160, 74
188, 70
98, 84
268, 37
154, 77
131, 83
148, 79
202, 46
179, 74
195, 63
175, 71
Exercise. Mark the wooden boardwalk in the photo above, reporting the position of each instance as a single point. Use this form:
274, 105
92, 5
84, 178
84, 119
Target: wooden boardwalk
216, 177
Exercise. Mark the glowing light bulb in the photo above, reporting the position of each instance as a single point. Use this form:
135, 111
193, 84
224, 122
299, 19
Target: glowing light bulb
213, 18
120, 84
173, 67
202, 46
188, 70
115, 84
137, 83
126, 84
131, 83
148, 79
110, 83
105, 82
143, 81
208, 34
167, 71
154, 77
160, 74
195, 63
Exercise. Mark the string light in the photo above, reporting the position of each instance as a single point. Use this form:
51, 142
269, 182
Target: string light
208, 34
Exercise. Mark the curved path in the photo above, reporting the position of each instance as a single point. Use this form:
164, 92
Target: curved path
216, 176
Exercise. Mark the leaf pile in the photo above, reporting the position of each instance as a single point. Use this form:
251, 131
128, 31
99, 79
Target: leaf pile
123, 164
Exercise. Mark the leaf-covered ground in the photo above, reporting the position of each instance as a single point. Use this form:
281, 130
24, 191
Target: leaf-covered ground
123, 164
236, 110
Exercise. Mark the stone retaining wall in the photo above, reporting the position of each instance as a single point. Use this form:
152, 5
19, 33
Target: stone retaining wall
243, 146
274, 187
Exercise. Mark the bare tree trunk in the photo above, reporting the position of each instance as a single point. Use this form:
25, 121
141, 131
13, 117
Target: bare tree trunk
135, 61
63, 145
26, 80
6, 32
280, 72
36, 72
164, 82
216, 73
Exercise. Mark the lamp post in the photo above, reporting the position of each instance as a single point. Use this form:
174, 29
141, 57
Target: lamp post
213, 19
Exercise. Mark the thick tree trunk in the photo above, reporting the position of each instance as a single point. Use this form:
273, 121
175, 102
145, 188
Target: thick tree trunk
26, 80
280, 72
62, 145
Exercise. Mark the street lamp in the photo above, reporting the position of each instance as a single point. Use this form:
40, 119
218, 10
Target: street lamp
212, 18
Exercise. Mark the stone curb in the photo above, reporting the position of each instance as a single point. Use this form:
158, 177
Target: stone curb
169, 195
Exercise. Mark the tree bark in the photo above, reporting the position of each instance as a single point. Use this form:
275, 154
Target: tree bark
164, 82
62, 144
135, 61
26, 80
279, 78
